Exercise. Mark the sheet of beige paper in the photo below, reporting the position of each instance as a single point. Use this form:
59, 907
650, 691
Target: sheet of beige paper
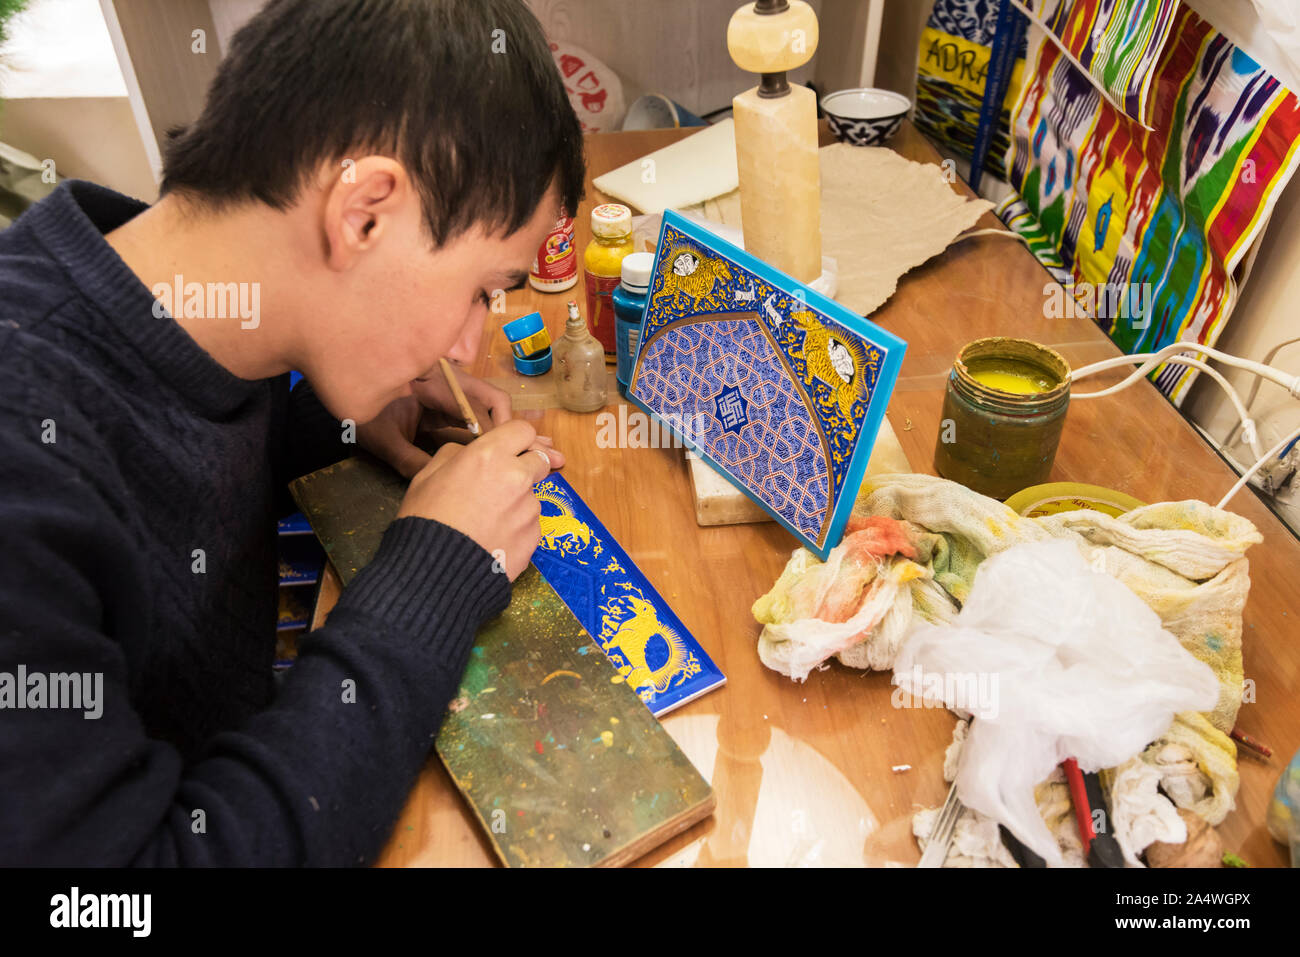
882, 215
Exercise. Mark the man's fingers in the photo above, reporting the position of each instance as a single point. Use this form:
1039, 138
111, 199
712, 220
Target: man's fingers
440, 458
513, 437
495, 401
481, 412
410, 461
397, 451
447, 452
455, 434
547, 444
499, 406
538, 462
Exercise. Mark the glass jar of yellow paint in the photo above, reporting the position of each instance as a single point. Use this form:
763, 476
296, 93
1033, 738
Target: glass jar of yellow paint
1002, 415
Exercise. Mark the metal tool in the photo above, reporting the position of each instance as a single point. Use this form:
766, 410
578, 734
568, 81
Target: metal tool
1019, 852
936, 850
1099, 847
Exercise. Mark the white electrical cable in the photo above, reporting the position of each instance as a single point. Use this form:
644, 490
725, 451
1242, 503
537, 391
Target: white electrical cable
1254, 387
990, 231
1152, 359
1172, 353
1243, 413
1264, 459
1233, 395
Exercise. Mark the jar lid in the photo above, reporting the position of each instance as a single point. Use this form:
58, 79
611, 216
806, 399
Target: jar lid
611, 220
1056, 497
534, 365
637, 268
523, 327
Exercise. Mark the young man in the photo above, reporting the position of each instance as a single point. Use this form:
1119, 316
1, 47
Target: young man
364, 175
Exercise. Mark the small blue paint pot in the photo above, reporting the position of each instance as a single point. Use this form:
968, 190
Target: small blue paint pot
536, 364
527, 336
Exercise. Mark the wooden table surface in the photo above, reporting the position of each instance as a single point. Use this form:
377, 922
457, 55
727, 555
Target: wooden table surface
803, 772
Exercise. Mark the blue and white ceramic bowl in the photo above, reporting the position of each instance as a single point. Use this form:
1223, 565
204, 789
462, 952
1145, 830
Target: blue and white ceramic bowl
865, 117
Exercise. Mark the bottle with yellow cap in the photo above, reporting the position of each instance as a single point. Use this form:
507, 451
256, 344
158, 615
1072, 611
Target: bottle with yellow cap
611, 230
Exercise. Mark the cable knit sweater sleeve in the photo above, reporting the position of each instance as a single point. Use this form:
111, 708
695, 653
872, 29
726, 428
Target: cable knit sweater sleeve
318, 777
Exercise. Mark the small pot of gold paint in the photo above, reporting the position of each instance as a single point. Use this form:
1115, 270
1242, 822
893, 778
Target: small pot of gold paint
1003, 412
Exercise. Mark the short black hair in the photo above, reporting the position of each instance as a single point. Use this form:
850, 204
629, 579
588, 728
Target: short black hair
463, 93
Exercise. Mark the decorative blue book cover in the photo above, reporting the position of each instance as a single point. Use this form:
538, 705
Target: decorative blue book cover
610, 597
779, 388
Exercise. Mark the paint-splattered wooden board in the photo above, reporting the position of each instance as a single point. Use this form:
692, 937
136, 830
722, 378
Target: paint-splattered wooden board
349, 505
560, 760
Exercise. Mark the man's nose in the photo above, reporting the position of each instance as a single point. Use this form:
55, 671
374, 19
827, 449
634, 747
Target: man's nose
466, 347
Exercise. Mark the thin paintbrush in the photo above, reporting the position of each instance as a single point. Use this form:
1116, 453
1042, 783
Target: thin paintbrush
471, 420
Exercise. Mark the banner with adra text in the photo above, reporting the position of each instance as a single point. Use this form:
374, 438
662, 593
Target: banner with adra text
952, 65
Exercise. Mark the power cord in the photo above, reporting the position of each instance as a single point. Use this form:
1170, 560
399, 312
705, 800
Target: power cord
1173, 353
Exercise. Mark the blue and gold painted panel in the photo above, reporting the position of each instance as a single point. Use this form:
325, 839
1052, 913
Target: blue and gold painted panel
778, 387
631, 622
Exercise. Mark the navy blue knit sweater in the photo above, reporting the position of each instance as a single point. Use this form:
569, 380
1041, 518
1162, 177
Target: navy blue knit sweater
124, 448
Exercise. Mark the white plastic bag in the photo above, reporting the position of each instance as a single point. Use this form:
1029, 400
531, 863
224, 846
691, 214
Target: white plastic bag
1055, 660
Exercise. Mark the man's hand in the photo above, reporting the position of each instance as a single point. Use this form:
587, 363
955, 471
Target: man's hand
390, 436
485, 490
491, 405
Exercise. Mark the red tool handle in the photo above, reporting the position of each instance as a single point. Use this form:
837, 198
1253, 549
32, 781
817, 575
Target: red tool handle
1082, 809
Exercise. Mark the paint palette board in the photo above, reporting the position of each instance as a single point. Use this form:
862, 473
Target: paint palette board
617, 605
779, 388
555, 753
557, 756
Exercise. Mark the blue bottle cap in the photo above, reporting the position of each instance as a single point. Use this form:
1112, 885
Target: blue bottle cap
538, 364
523, 327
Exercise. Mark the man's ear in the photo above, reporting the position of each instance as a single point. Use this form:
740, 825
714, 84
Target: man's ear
360, 206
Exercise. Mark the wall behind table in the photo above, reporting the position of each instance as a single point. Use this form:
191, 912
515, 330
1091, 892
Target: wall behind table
679, 47
674, 47
65, 99
92, 138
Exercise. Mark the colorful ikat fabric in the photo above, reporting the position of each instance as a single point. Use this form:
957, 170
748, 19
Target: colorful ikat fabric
1148, 226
